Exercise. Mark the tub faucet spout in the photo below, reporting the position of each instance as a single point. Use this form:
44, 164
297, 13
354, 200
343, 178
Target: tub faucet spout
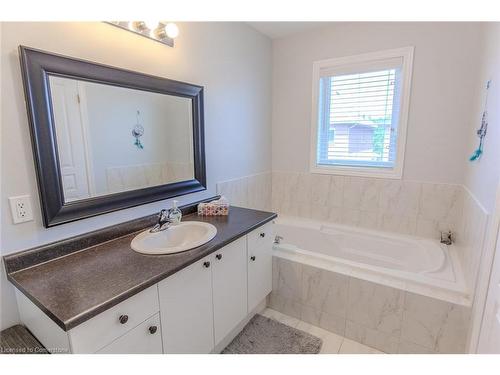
277, 239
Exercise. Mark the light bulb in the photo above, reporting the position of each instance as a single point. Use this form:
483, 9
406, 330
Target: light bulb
151, 25
172, 30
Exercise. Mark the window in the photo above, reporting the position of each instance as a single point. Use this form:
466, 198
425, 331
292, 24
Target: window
360, 110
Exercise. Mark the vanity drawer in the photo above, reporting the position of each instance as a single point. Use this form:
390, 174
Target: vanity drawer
143, 339
261, 237
101, 330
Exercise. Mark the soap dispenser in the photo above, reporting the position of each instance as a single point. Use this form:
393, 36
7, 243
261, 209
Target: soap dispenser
175, 215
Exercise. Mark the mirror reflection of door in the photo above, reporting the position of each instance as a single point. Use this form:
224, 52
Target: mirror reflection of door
72, 139
100, 149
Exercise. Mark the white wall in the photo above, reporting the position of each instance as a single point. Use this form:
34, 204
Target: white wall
445, 67
231, 60
483, 176
8, 310
112, 113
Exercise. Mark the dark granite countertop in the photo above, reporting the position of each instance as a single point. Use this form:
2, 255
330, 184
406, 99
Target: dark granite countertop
76, 287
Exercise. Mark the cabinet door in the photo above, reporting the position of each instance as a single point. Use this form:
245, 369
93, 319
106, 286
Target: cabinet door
260, 265
143, 339
96, 333
229, 287
186, 309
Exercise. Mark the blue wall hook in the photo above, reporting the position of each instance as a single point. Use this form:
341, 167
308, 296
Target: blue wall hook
481, 132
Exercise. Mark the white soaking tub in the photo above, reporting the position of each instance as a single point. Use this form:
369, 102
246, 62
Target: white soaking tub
418, 265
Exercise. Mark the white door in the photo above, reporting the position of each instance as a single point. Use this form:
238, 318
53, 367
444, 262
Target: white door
229, 287
143, 339
489, 339
70, 135
260, 270
186, 309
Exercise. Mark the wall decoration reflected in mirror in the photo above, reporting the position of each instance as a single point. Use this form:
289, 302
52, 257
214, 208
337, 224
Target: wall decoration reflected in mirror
138, 132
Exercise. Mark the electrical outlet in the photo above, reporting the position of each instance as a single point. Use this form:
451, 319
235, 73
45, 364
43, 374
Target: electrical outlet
20, 207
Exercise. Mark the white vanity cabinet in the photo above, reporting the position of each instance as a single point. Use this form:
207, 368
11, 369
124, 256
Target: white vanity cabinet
229, 282
187, 309
103, 329
114, 327
260, 264
201, 304
198, 309
143, 339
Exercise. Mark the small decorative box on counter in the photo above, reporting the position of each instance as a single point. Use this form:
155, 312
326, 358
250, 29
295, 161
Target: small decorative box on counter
219, 207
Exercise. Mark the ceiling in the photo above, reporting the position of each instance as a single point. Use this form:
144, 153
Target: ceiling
281, 29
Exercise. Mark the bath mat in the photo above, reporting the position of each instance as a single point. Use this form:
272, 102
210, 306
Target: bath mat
267, 336
18, 340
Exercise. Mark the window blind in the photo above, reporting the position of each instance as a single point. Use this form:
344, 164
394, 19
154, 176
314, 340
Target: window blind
358, 118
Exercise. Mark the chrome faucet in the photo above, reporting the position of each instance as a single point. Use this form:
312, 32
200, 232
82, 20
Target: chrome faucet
277, 239
163, 222
447, 238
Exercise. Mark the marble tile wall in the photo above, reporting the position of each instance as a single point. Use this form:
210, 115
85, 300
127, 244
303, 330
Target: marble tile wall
252, 191
470, 238
408, 207
386, 318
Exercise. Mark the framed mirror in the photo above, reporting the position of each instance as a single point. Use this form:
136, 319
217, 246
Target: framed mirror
106, 138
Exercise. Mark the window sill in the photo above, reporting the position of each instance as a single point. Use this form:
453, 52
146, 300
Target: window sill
392, 173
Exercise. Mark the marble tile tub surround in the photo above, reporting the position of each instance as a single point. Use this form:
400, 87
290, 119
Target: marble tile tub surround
402, 206
471, 238
253, 191
409, 207
386, 318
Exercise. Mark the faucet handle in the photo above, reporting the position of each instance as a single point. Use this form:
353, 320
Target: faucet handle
163, 216
447, 238
163, 220
277, 239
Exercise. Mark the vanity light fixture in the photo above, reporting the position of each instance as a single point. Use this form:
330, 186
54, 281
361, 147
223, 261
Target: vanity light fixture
160, 31
172, 30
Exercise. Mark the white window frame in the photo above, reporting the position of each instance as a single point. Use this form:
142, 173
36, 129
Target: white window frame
349, 64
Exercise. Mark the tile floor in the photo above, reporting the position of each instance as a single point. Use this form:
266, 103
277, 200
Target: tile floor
332, 343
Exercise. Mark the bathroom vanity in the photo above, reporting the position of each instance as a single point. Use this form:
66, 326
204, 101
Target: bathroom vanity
107, 298
117, 290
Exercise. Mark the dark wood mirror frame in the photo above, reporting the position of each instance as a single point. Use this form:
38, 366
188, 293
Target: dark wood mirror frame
36, 67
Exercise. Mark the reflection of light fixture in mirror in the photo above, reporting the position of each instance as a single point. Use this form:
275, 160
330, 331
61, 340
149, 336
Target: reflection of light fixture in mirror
157, 30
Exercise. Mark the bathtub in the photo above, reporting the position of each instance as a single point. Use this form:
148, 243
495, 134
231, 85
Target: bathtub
418, 265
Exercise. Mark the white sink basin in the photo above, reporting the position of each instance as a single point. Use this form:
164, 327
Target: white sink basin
181, 237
